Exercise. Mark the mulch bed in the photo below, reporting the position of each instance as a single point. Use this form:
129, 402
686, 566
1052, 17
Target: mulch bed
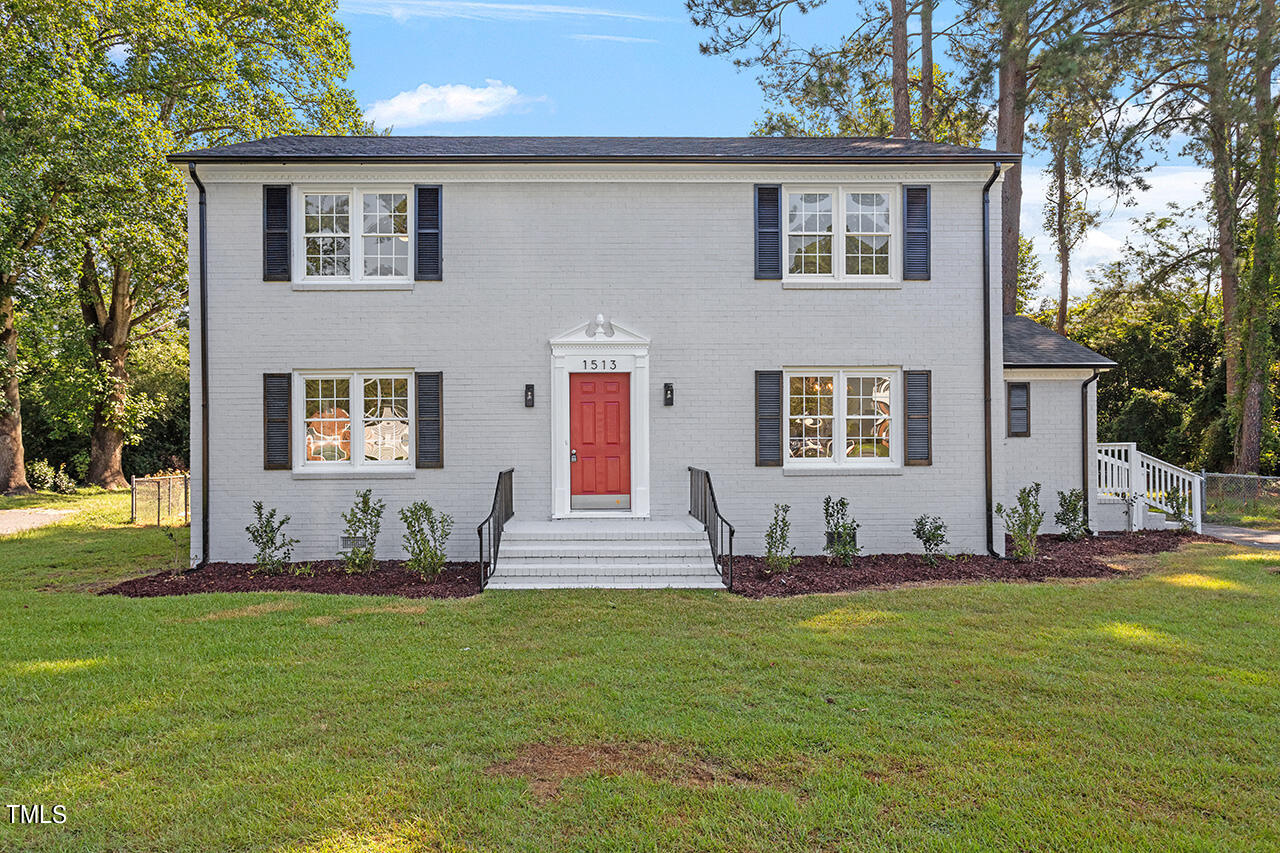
1057, 558
389, 577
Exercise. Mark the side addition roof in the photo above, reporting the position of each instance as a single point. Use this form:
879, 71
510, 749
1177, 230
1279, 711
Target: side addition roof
619, 149
1028, 344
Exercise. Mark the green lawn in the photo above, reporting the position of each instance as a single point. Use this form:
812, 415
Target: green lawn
1141, 713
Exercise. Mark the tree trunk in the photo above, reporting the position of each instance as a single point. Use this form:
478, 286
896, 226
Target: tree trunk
13, 465
901, 94
1011, 124
106, 440
1060, 229
1255, 337
107, 326
926, 69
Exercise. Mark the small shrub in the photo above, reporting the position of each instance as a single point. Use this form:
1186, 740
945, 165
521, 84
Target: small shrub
779, 555
1180, 510
931, 530
80, 464
275, 549
62, 482
1070, 515
1023, 521
40, 475
304, 570
364, 520
842, 531
426, 533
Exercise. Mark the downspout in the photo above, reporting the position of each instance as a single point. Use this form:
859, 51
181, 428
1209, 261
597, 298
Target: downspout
204, 368
986, 351
1084, 442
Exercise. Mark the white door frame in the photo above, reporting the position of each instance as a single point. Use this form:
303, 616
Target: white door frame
614, 349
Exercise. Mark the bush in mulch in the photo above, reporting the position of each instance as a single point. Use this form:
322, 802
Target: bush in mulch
1058, 558
388, 577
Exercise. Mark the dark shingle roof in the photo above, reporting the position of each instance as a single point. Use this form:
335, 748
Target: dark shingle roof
589, 149
1028, 344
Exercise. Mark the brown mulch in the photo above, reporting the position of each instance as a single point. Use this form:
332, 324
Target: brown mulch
1057, 558
389, 577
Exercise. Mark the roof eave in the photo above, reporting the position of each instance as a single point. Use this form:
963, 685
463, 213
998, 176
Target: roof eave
573, 158
1110, 365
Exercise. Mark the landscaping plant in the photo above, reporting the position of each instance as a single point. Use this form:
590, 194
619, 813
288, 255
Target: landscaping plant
779, 555
425, 534
1180, 510
40, 475
1070, 515
364, 520
931, 530
275, 549
63, 484
1023, 521
842, 531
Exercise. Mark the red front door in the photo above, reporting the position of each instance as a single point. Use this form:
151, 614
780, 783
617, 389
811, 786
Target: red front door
600, 440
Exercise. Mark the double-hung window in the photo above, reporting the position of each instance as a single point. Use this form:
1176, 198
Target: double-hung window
845, 417
842, 233
355, 420
355, 234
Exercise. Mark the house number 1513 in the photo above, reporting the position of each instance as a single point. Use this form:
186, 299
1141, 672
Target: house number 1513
600, 364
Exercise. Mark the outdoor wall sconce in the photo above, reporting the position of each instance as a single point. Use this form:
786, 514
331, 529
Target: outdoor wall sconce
528, 396
668, 394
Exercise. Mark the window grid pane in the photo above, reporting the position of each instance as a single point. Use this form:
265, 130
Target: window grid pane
810, 424
386, 234
867, 233
868, 417
328, 420
386, 419
809, 233
327, 233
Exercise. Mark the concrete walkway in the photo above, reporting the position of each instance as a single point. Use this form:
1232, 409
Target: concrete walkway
17, 520
1245, 536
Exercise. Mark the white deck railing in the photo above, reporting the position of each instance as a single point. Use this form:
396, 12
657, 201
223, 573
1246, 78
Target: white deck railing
1123, 470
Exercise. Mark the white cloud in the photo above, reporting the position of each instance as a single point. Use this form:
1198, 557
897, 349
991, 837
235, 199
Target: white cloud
452, 102
623, 39
119, 54
403, 10
1104, 244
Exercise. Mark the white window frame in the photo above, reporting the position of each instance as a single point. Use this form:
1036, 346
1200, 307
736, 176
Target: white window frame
356, 193
840, 421
357, 462
838, 212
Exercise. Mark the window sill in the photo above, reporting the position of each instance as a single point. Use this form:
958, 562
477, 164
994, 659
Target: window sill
840, 284
398, 474
844, 471
353, 285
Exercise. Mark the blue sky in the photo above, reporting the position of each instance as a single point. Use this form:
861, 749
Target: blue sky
612, 68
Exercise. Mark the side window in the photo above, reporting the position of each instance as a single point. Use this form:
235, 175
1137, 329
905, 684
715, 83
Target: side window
1019, 399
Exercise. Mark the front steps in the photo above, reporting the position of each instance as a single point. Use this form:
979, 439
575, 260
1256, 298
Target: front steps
619, 553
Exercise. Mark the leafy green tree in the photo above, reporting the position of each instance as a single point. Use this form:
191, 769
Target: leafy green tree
170, 75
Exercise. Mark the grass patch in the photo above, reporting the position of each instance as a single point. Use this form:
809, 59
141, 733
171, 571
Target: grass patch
1136, 713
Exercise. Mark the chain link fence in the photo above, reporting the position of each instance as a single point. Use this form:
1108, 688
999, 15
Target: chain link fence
157, 500
1241, 498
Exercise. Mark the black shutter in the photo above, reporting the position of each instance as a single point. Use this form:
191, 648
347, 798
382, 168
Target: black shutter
275, 232
915, 233
1019, 409
919, 418
277, 407
428, 264
768, 418
768, 231
430, 391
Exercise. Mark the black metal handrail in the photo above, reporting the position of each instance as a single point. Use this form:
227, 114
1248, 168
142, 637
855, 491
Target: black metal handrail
499, 514
703, 507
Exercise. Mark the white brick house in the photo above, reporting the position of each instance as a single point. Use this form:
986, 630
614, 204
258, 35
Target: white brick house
415, 315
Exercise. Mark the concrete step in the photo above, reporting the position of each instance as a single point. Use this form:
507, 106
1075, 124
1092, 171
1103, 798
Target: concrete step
500, 581
601, 549
604, 569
